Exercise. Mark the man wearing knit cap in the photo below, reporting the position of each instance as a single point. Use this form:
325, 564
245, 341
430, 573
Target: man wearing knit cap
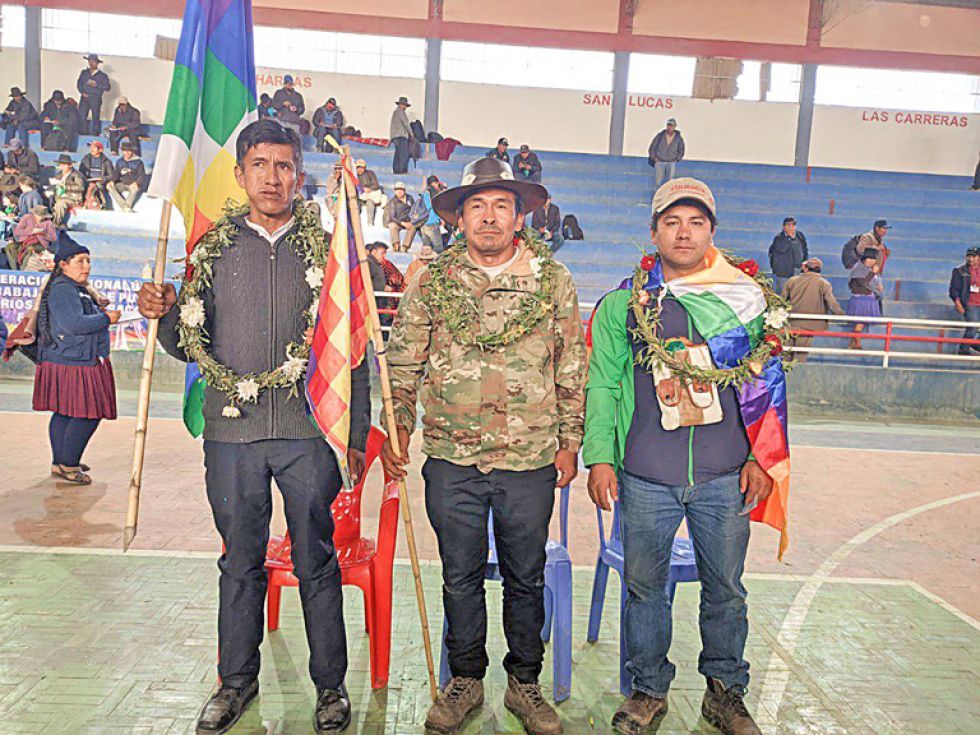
669, 449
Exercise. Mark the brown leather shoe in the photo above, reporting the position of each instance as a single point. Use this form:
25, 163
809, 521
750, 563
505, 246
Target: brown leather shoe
639, 714
447, 714
530, 707
725, 709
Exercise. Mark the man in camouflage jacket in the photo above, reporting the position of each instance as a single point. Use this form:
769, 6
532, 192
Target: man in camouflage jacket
502, 428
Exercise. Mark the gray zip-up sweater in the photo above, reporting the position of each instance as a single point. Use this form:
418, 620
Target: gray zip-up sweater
254, 308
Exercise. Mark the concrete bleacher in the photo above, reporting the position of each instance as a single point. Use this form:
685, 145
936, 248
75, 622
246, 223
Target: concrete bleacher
935, 218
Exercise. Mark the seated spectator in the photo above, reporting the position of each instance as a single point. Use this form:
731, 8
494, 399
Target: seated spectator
431, 227
547, 221
59, 124
964, 292
36, 238
22, 161
289, 105
30, 196
265, 107
333, 186
865, 285
385, 276
8, 220
398, 217
809, 293
787, 253
19, 118
68, 192
327, 120
426, 255
527, 166
372, 195
128, 179
125, 124
96, 170
500, 151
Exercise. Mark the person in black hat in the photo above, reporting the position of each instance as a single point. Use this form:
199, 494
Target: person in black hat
964, 292
74, 377
19, 117
527, 164
126, 124
502, 427
289, 104
500, 152
874, 241
59, 124
787, 253
92, 84
400, 132
69, 190
265, 108
327, 120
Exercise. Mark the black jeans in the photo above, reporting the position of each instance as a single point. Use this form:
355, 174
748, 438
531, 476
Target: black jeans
239, 490
69, 436
399, 163
90, 107
458, 500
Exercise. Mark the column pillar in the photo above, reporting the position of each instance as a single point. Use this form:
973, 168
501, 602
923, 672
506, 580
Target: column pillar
433, 75
32, 55
617, 119
804, 124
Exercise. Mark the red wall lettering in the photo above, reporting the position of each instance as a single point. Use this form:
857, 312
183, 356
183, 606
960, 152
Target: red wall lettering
605, 100
916, 118
275, 80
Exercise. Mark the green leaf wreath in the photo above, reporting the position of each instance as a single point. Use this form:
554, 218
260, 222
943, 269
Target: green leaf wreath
308, 240
460, 310
657, 353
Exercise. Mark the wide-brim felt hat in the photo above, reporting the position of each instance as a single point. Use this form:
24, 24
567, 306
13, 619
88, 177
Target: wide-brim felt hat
64, 158
403, 101
93, 57
488, 173
16, 92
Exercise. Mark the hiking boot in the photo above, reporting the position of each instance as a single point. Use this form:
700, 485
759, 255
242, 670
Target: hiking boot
529, 706
725, 709
639, 714
223, 709
462, 695
332, 713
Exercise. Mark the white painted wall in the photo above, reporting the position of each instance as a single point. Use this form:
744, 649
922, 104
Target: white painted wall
477, 114
895, 140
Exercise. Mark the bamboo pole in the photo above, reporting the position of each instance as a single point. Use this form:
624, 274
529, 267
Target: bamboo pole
379, 351
146, 379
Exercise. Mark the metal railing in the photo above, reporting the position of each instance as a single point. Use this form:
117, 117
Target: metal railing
890, 338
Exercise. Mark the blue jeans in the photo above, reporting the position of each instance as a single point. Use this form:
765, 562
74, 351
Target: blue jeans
18, 130
651, 514
972, 315
662, 171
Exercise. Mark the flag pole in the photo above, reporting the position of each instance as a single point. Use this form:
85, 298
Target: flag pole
389, 411
146, 379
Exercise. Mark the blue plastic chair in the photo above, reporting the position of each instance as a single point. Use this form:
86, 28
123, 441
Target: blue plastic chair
557, 605
683, 568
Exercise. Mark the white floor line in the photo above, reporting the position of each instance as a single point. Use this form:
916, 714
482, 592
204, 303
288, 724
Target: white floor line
952, 609
777, 673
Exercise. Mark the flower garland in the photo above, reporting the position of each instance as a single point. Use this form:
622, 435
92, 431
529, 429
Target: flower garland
307, 240
460, 310
659, 353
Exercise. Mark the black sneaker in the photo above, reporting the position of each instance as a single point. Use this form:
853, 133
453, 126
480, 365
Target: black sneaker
224, 708
725, 709
332, 713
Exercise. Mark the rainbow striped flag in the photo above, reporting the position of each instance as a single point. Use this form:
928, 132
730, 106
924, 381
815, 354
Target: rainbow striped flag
728, 308
340, 335
212, 97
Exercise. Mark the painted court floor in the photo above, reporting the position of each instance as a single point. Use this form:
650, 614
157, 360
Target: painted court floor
868, 626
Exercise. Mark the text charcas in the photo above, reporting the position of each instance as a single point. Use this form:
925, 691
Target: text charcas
634, 100
915, 118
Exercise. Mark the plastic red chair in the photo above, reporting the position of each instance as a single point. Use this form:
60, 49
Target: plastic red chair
364, 562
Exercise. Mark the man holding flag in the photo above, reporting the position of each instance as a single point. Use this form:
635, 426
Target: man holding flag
246, 323
686, 419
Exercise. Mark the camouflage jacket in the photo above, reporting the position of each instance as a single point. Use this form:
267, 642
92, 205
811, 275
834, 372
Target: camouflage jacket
510, 408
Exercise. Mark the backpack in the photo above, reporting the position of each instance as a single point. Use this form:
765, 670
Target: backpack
849, 254
56, 141
419, 213
418, 132
414, 149
570, 229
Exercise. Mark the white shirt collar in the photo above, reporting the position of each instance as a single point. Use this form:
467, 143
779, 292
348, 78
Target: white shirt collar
270, 237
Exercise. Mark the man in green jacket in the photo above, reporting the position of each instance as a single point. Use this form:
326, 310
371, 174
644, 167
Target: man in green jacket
667, 449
